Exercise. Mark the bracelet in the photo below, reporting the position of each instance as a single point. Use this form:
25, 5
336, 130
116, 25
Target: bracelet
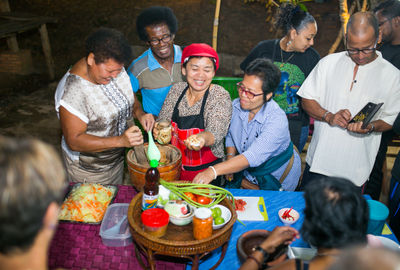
230, 154
325, 114
254, 259
215, 172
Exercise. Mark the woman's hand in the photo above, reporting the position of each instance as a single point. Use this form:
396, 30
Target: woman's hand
195, 142
204, 177
132, 137
147, 121
280, 235
156, 131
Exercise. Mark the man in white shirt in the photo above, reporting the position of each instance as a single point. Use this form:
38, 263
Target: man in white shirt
337, 89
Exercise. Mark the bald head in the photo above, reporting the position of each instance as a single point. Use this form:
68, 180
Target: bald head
360, 22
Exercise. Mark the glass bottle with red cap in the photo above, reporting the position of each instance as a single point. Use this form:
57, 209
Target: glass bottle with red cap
150, 189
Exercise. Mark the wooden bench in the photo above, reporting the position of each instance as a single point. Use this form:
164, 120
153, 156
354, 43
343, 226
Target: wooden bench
12, 23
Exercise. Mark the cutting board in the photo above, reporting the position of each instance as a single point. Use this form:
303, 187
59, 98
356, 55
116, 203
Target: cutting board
254, 210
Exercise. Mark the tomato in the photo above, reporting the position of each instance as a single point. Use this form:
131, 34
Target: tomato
219, 220
217, 211
203, 199
191, 196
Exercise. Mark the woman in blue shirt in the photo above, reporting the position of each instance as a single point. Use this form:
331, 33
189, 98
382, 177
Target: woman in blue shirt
259, 150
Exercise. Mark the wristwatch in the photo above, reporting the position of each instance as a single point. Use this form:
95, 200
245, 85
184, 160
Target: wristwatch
371, 129
265, 256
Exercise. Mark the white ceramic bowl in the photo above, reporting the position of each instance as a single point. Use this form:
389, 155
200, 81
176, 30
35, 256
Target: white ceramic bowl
225, 214
289, 221
177, 218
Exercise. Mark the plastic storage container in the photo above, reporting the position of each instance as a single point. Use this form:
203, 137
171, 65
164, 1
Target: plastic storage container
114, 229
155, 221
229, 83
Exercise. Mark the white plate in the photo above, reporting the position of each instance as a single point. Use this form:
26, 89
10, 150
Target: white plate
386, 242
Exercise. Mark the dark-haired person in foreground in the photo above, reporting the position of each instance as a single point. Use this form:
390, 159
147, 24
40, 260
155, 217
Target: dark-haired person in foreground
32, 181
295, 58
335, 91
157, 69
259, 150
95, 100
336, 218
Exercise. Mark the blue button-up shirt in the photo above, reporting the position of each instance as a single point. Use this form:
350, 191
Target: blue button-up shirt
154, 81
265, 136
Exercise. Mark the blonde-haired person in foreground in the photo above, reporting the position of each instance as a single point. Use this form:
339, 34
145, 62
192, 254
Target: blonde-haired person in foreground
32, 182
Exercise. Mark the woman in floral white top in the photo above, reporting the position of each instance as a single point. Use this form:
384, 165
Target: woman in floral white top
95, 100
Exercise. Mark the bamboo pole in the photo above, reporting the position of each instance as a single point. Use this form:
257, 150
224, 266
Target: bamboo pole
344, 16
215, 27
364, 6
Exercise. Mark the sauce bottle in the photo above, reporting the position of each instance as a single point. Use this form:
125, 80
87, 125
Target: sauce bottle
150, 189
202, 223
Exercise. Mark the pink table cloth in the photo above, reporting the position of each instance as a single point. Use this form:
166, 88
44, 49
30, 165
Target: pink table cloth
79, 246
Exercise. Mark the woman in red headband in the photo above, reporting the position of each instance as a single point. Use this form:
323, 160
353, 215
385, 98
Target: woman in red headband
200, 112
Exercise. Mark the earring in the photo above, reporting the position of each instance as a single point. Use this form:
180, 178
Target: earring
288, 43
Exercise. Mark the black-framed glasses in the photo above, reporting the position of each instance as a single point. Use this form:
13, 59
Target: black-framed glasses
165, 39
242, 89
383, 22
364, 51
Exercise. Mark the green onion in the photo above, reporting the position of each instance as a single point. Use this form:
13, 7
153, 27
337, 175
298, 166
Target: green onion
217, 194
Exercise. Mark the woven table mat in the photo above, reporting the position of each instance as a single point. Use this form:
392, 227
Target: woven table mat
79, 246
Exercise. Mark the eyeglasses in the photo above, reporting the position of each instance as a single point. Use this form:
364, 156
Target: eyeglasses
241, 89
165, 39
383, 22
364, 51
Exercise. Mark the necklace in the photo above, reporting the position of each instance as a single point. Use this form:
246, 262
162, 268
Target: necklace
287, 60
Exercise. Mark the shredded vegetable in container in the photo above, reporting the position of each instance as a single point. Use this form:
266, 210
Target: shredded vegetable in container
87, 203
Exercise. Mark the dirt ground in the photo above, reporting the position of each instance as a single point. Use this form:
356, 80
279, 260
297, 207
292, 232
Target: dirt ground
27, 102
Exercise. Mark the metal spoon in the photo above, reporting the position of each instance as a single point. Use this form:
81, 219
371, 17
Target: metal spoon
116, 228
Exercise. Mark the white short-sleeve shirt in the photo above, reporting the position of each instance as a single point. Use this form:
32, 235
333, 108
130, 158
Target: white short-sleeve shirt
334, 151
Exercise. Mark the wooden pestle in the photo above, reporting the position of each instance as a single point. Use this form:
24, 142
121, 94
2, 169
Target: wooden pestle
138, 150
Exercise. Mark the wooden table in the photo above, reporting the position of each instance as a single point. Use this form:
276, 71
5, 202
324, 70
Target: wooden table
12, 23
178, 240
